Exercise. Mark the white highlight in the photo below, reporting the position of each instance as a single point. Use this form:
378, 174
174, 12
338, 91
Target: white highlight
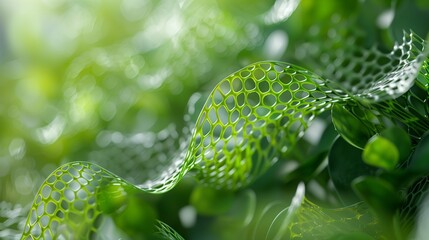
385, 19
422, 231
50, 133
281, 11
188, 216
315, 131
276, 44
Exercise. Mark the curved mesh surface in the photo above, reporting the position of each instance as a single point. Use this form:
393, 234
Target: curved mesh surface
250, 117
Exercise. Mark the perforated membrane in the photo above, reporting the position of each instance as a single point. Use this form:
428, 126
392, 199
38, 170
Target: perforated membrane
249, 118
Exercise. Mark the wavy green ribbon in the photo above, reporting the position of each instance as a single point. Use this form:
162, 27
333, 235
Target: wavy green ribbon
248, 120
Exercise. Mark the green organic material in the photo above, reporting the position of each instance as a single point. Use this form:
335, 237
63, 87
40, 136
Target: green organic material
371, 188
119, 104
350, 127
308, 220
383, 200
380, 152
209, 201
167, 233
71, 201
344, 170
400, 139
419, 161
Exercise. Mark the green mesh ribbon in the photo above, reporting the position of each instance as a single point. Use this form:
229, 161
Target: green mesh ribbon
248, 120
306, 220
167, 233
71, 200
388, 100
12, 217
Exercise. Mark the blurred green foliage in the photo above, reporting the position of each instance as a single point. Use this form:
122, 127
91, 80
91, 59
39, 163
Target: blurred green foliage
109, 82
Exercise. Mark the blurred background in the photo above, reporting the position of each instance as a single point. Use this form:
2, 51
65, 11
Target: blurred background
109, 81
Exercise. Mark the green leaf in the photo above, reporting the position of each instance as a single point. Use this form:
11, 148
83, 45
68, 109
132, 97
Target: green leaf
380, 152
305, 171
384, 200
352, 129
420, 159
345, 164
400, 139
209, 201
137, 218
379, 194
423, 4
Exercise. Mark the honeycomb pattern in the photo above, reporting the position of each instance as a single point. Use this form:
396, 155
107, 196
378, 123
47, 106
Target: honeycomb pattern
409, 110
135, 153
151, 160
12, 219
423, 78
69, 203
303, 219
251, 117
166, 232
371, 75
313, 222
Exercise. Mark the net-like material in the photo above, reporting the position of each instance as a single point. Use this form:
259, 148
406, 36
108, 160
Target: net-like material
251, 116
313, 222
12, 217
309, 221
135, 153
247, 121
371, 75
414, 198
303, 219
379, 82
167, 233
70, 202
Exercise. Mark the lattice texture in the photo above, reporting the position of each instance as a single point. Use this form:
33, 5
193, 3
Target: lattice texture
313, 222
240, 126
305, 220
378, 81
414, 198
409, 110
12, 219
136, 153
167, 233
249, 118
68, 204
423, 78
371, 75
